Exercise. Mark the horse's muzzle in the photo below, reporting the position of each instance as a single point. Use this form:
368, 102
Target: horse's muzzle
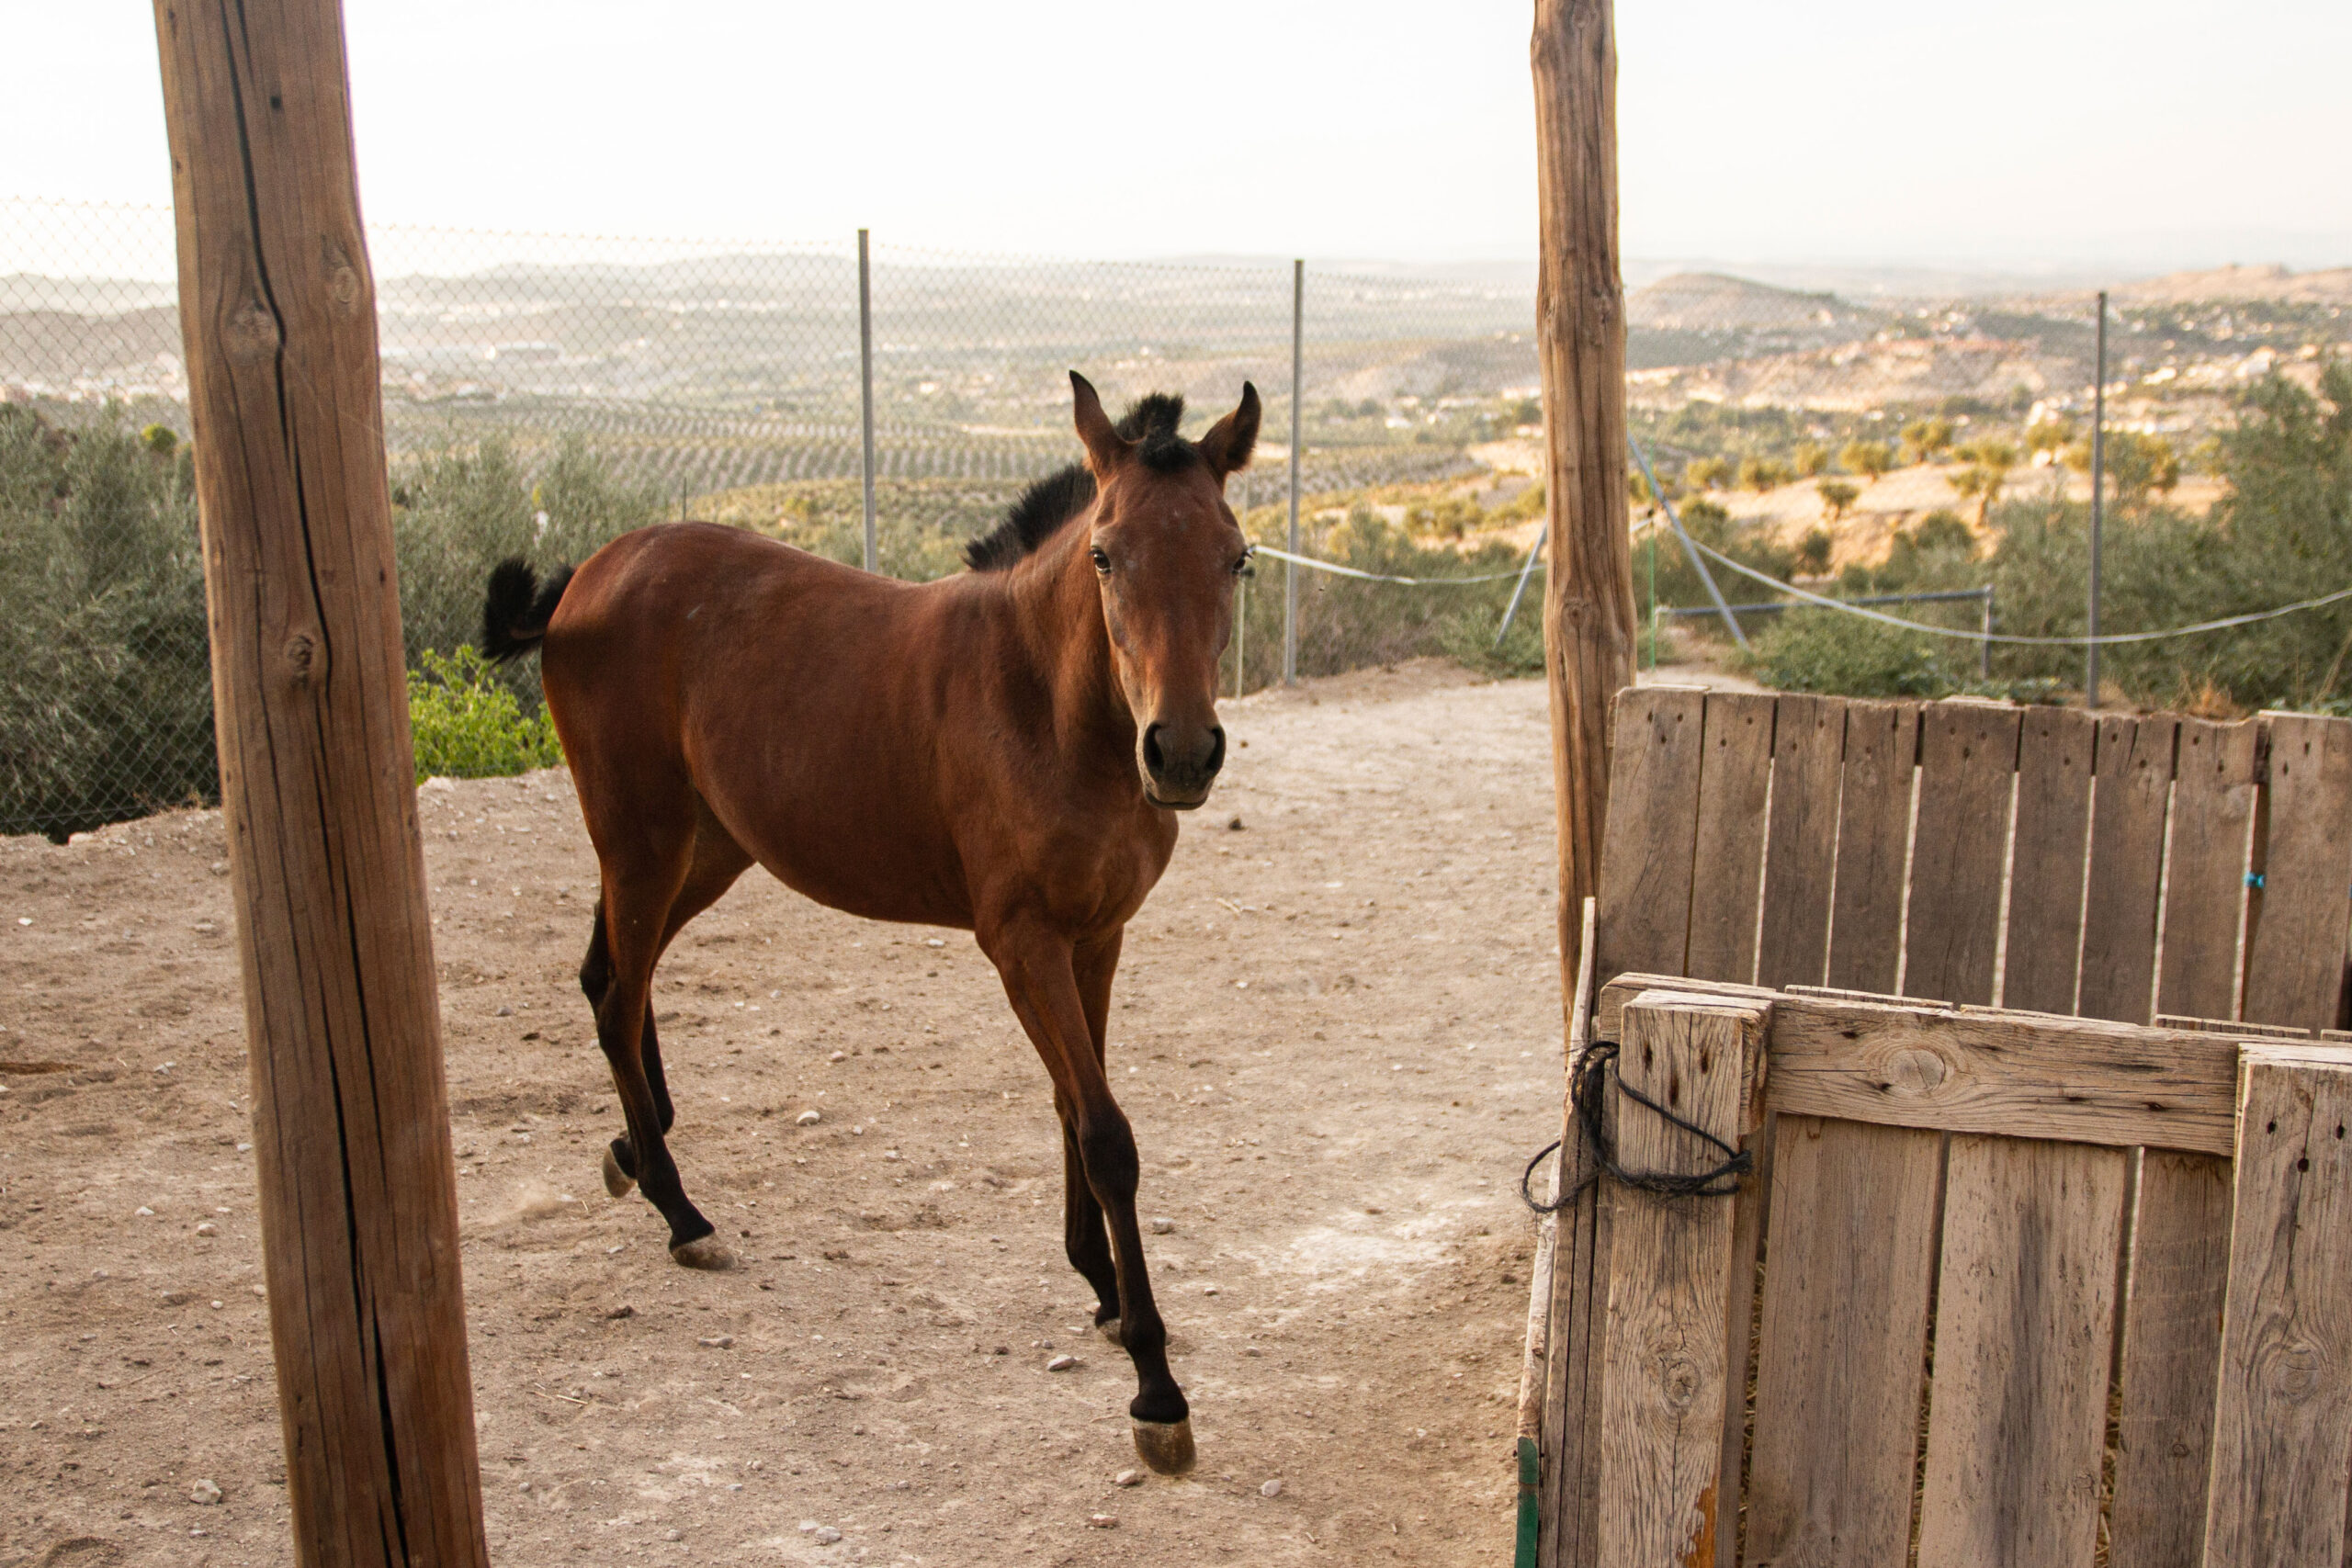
1181, 762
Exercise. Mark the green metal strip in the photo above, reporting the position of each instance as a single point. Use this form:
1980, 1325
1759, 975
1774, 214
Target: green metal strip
1531, 1493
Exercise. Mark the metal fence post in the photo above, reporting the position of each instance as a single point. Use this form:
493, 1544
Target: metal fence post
2099, 485
865, 384
1240, 635
1242, 603
1689, 549
1297, 440
1526, 571
1984, 661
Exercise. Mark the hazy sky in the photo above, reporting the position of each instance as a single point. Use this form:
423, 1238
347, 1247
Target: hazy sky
2014, 133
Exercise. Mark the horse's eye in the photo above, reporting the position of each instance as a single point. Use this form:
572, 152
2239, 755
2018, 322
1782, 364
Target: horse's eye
1242, 567
1101, 559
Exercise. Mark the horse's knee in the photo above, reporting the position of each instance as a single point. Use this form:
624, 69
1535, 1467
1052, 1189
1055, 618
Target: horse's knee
1107, 1145
595, 976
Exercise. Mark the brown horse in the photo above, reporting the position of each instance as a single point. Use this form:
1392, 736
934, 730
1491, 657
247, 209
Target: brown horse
1003, 750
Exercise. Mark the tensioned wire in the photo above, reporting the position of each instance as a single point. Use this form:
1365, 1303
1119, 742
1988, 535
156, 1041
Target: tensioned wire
1312, 565
2105, 640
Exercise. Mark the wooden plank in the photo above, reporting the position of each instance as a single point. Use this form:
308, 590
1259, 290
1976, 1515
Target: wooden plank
1873, 841
1728, 869
2056, 750
2025, 1316
356, 1185
1749, 1216
1571, 1481
1968, 764
1646, 870
1535, 1381
2283, 1427
2296, 927
2076, 1080
1837, 993
1547, 1190
1609, 1012
2235, 1029
1663, 1400
2212, 816
1801, 840
1842, 1351
2135, 760
2171, 1362
1570, 1486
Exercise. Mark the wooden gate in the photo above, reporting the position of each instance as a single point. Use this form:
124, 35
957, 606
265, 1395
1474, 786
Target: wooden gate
2007, 1285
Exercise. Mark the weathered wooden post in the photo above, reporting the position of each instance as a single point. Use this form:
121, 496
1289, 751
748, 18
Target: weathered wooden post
1588, 644
1589, 615
359, 1199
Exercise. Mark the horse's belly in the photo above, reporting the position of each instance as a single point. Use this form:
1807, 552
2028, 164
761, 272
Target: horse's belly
870, 891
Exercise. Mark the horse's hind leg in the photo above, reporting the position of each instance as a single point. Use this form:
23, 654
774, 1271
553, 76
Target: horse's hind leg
642, 885
717, 863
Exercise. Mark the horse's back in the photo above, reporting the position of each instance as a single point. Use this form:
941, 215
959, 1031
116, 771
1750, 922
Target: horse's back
796, 699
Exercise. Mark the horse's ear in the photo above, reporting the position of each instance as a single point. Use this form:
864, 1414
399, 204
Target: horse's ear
1105, 446
1229, 442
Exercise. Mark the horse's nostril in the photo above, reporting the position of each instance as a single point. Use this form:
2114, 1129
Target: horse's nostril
1152, 756
1217, 748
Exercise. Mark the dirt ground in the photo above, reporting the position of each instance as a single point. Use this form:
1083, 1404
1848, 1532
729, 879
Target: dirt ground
1336, 1031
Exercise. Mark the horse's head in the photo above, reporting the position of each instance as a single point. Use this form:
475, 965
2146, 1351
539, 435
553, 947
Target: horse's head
1166, 550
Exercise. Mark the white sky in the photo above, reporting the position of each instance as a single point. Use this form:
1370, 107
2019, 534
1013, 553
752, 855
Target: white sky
2133, 134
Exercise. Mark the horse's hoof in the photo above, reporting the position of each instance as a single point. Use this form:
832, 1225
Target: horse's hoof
617, 1181
1165, 1446
706, 1252
1109, 1329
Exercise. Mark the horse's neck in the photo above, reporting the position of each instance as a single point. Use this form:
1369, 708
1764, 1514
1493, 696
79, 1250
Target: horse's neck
1058, 618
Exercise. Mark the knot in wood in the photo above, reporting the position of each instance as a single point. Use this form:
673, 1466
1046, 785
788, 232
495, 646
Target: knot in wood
1915, 1071
343, 282
1677, 1378
251, 332
304, 660
2293, 1372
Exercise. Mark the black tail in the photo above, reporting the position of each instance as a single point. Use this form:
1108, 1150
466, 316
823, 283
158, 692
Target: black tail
514, 616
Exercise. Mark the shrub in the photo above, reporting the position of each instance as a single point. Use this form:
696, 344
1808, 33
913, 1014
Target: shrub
467, 725
1831, 651
459, 512
1678, 579
1867, 459
105, 684
1925, 440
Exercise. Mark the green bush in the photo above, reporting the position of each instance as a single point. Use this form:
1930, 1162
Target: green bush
467, 725
1830, 651
1677, 580
459, 512
105, 684
2281, 533
1349, 624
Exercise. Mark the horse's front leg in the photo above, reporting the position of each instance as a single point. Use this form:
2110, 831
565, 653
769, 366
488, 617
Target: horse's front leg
1084, 1236
1041, 976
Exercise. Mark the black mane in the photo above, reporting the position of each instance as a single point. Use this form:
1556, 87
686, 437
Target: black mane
1052, 501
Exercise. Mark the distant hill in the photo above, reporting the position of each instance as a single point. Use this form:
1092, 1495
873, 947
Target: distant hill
2269, 282
1714, 302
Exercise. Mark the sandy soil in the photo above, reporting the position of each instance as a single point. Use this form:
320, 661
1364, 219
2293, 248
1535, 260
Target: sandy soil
1336, 1031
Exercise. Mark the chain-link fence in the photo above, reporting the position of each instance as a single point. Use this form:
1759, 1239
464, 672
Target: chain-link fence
543, 392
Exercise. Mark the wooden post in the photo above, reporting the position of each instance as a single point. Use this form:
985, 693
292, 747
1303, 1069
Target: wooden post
1671, 1291
359, 1196
2282, 1424
1588, 616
